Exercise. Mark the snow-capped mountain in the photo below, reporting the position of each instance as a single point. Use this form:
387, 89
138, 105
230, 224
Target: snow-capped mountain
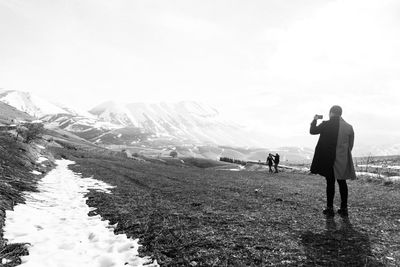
156, 125
190, 122
31, 104
95, 130
113, 112
138, 113
34, 105
127, 124
77, 123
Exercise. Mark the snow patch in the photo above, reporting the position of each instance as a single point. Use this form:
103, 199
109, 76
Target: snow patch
379, 166
369, 174
55, 222
375, 175
41, 159
393, 178
36, 172
5, 261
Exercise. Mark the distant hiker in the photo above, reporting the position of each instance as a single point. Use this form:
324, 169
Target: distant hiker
276, 162
332, 157
270, 161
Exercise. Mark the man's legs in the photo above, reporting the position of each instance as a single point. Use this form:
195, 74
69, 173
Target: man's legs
276, 167
330, 191
343, 194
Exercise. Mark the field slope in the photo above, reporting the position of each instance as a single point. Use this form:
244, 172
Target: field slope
188, 216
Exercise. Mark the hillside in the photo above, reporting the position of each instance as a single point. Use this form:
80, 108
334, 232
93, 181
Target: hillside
18, 162
9, 114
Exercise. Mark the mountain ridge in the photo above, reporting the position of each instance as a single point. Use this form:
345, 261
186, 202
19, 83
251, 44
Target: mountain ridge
163, 124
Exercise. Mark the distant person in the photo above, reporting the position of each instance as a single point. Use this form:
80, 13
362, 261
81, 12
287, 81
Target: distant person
270, 161
332, 157
276, 162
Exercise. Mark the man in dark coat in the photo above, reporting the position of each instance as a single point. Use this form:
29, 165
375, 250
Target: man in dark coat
332, 157
276, 162
270, 161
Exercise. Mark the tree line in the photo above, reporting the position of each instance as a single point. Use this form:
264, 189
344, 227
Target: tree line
237, 161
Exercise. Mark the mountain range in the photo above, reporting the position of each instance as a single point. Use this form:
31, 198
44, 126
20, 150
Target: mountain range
146, 125
191, 128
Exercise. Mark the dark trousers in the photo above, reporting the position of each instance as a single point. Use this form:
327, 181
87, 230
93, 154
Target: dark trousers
330, 191
276, 167
270, 168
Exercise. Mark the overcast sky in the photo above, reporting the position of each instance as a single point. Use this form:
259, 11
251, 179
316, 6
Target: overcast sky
269, 64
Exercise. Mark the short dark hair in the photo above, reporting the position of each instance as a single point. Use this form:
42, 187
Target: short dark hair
336, 110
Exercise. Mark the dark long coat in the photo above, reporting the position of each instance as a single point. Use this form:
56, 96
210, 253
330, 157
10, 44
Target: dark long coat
333, 150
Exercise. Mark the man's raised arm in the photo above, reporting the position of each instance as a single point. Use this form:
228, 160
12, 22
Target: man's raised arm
314, 129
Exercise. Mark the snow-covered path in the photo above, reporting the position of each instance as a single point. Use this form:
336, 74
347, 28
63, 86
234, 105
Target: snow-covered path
55, 222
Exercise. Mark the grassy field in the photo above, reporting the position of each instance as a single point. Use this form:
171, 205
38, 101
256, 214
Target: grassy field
189, 212
190, 216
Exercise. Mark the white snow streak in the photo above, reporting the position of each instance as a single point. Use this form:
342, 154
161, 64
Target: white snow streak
377, 175
55, 222
379, 167
41, 159
369, 174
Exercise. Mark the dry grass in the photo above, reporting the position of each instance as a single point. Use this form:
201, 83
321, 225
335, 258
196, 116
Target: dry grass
17, 161
192, 216
13, 252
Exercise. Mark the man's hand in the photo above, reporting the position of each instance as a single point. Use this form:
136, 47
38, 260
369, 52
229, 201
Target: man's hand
316, 117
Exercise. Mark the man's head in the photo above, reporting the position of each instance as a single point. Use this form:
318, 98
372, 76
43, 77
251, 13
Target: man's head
335, 111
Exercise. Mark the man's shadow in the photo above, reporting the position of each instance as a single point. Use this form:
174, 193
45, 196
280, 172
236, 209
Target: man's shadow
338, 245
